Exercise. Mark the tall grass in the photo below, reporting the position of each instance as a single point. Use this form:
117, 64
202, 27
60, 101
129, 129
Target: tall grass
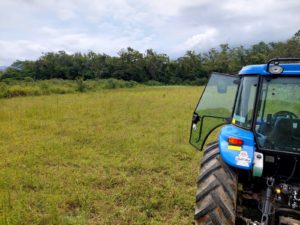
28, 87
108, 157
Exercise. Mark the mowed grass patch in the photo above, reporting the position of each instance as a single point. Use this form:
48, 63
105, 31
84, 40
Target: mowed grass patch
107, 157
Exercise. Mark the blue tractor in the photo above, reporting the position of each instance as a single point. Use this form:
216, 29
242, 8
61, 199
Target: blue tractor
251, 174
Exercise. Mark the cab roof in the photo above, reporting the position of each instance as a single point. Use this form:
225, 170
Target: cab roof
288, 69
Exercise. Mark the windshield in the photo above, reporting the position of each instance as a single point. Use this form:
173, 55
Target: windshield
278, 121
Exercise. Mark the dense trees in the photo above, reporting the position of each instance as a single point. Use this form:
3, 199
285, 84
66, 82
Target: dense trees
130, 64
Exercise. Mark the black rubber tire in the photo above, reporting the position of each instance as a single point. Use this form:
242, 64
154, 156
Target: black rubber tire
216, 190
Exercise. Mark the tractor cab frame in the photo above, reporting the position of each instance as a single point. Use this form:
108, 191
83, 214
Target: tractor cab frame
257, 115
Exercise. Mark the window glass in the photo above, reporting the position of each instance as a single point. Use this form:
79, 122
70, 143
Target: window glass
245, 102
215, 106
278, 121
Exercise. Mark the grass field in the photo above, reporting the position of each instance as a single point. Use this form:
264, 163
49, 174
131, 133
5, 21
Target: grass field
10, 88
108, 157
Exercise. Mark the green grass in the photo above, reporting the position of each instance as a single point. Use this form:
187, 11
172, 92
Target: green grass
108, 157
13, 88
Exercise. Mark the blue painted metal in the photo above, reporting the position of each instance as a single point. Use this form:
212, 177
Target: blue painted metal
288, 69
231, 156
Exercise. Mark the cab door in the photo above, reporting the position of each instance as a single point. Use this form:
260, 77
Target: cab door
214, 108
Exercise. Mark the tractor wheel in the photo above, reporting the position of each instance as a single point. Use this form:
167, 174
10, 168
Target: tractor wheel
216, 190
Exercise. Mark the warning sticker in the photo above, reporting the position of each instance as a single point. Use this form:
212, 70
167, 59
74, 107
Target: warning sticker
233, 147
242, 159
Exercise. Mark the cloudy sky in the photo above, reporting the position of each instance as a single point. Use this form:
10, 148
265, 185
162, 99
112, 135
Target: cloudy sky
30, 27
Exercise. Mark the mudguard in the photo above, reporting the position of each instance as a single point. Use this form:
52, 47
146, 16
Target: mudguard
237, 156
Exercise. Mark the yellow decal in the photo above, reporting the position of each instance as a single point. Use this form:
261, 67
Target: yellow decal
233, 121
233, 147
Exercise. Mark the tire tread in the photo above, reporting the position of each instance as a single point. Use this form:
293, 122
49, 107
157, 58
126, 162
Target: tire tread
217, 190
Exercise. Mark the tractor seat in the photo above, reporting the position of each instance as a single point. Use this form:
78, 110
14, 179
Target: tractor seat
282, 132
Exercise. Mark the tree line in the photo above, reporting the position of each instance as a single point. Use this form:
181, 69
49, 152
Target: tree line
130, 64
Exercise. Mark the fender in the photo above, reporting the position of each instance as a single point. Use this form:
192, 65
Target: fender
237, 156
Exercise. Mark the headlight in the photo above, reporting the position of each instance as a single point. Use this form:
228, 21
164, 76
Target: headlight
276, 69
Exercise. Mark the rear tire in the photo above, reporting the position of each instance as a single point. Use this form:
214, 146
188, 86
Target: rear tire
216, 190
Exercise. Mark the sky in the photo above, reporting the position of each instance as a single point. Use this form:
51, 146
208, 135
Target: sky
29, 28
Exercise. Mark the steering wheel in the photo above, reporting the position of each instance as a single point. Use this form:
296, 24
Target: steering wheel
288, 114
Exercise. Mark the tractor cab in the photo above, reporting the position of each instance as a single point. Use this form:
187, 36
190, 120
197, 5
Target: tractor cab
262, 100
257, 114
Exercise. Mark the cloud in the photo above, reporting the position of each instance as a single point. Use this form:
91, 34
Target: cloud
30, 27
21, 50
207, 37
